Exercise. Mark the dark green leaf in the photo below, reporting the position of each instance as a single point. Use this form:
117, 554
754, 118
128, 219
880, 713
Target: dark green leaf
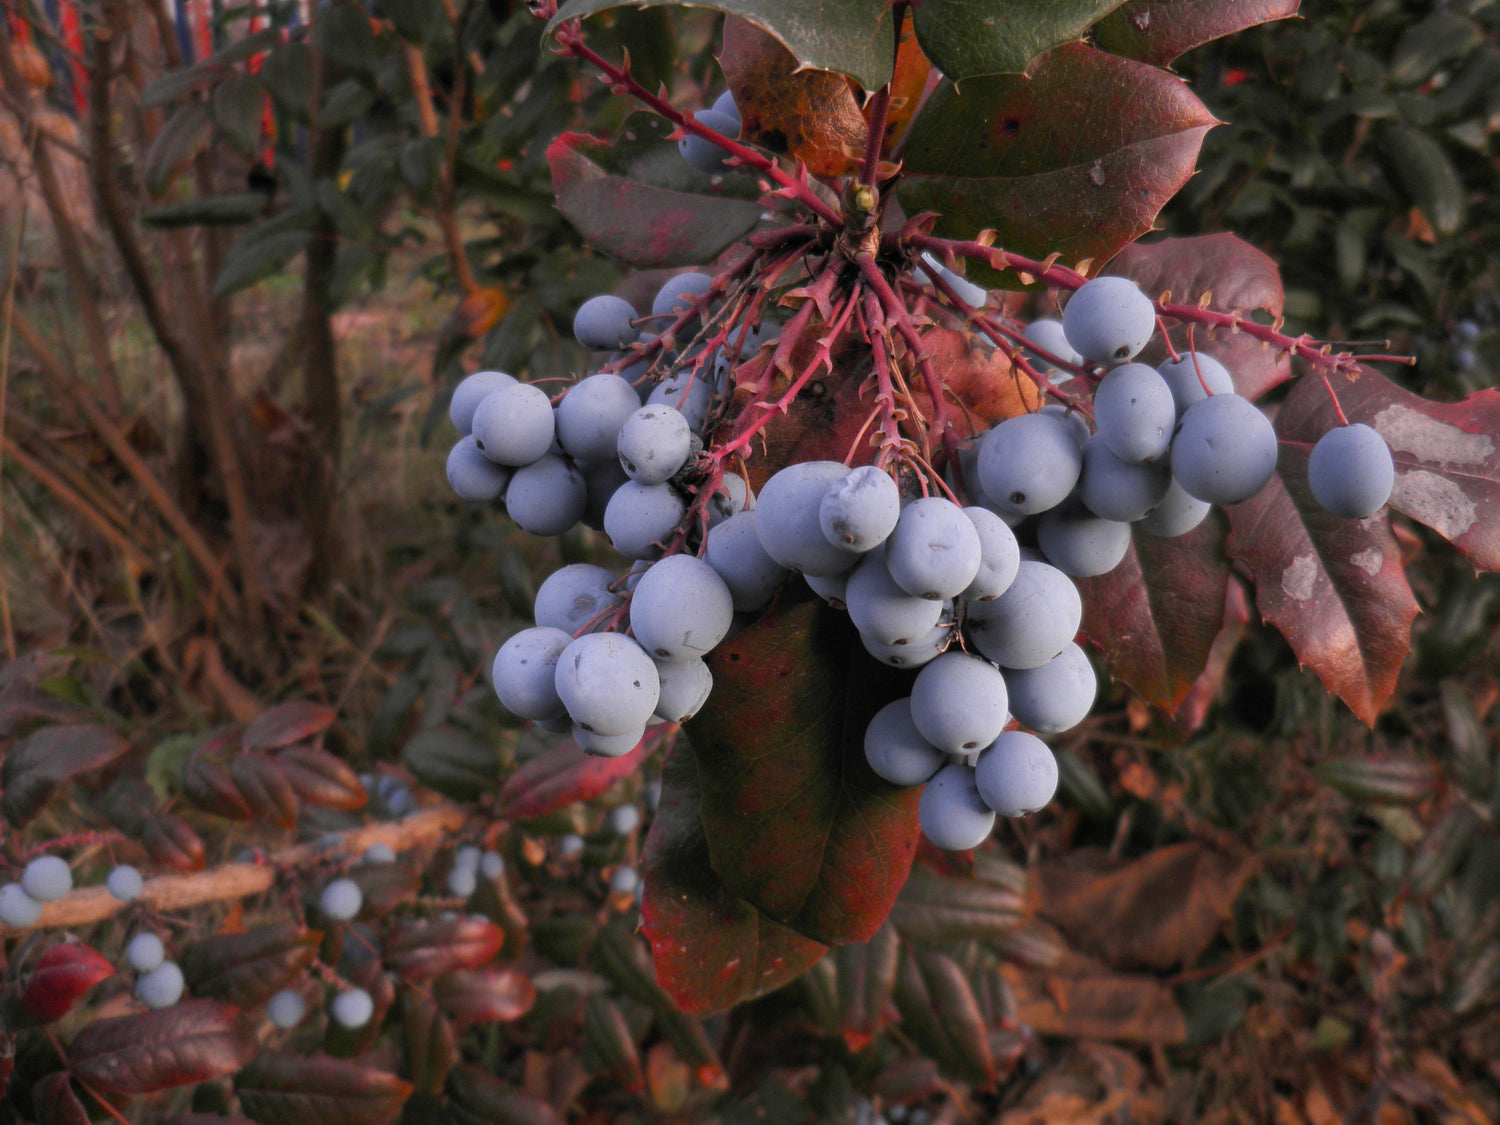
214, 211
431, 1045
239, 103
477, 1098
183, 136
344, 34
936, 909
853, 37
797, 822
1158, 31
969, 38
1431, 42
866, 976
256, 256
941, 1015
288, 75
711, 949
1076, 157
421, 21
35, 766
455, 764
1395, 781
1420, 166
346, 103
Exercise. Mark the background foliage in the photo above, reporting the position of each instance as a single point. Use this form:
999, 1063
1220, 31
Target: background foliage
220, 508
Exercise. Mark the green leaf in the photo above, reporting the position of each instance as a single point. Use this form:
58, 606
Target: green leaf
288, 75
344, 34
1076, 157
969, 38
239, 104
1431, 42
1158, 31
180, 139
421, 21
1420, 167
935, 909
797, 823
34, 767
712, 950
295, 1088
853, 37
216, 211
456, 764
254, 258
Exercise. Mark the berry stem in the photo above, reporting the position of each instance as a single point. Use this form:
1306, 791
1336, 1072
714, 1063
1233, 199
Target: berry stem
570, 42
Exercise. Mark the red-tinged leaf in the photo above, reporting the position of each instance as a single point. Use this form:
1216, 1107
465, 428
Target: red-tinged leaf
170, 841
623, 959
1447, 455
797, 823
640, 222
1237, 278
430, 1043
1193, 710
1155, 616
321, 779
566, 774
208, 1119
477, 1098
809, 115
1076, 156
61, 976
475, 996
35, 766
265, 787
941, 1015
287, 723
1335, 588
206, 783
1158, 31
246, 969
192, 1041
866, 974
423, 949
56, 1102
283, 1088
712, 949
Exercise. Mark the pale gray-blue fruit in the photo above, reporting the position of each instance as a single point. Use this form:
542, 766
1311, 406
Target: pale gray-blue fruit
959, 702
605, 321
1224, 451
951, 812
1109, 320
1351, 472
895, 748
1016, 774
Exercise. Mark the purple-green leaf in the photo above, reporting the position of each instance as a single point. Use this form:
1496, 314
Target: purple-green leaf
1076, 156
287, 1088
148, 1051
1158, 31
968, 38
35, 766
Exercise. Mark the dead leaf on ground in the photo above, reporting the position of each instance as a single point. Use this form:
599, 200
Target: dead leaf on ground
1096, 1004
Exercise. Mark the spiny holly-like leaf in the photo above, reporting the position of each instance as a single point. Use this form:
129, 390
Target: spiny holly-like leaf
809, 115
853, 37
1236, 277
321, 779
566, 774
35, 766
1447, 455
1158, 31
192, 1041
425, 949
968, 38
712, 950
62, 974
1155, 616
797, 823
284, 1088
487, 995
1076, 156
287, 723
608, 189
246, 969
1335, 588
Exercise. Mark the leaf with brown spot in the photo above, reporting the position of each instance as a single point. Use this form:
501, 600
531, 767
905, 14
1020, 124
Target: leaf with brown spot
1159, 911
809, 115
1077, 156
144, 1052
711, 949
285, 1088
246, 969
797, 823
286, 723
35, 766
